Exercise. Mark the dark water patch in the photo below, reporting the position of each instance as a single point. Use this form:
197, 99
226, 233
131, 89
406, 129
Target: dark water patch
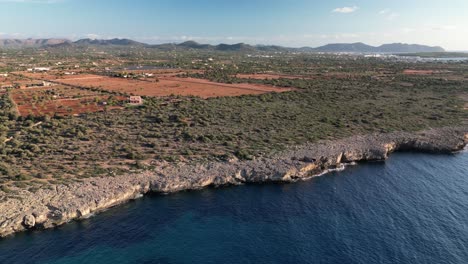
411, 209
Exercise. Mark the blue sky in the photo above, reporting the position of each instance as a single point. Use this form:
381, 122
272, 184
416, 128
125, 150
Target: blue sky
289, 22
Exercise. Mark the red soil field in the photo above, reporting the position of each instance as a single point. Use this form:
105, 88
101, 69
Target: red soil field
418, 72
166, 72
167, 86
70, 102
12, 80
64, 107
264, 76
54, 75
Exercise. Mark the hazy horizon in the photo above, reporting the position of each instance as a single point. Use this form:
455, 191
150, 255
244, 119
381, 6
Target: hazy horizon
202, 43
296, 23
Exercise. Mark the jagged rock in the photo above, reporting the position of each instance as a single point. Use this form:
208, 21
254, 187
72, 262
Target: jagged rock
29, 221
40, 218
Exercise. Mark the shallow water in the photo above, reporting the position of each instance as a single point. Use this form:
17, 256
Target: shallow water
411, 209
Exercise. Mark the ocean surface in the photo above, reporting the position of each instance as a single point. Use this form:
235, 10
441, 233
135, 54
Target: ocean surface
432, 59
411, 209
456, 59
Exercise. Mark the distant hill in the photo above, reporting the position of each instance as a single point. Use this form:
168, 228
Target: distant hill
407, 48
274, 48
353, 47
235, 47
190, 45
30, 43
108, 42
239, 47
390, 48
242, 47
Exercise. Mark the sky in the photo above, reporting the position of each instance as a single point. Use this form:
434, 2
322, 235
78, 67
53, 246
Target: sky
293, 23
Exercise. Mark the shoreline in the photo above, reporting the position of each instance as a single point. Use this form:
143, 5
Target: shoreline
51, 207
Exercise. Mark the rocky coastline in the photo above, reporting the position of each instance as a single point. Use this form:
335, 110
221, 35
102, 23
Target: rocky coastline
51, 207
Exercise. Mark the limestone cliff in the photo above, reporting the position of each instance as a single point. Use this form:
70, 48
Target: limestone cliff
55, 206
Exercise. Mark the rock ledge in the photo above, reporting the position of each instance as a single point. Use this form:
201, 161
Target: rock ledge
48, 208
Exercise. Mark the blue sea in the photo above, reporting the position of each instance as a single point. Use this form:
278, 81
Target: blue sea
411, 209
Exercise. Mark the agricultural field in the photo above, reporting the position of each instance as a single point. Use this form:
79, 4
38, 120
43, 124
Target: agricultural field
62, 101
165, 72
198, 110
163, 84
12, 80
266, 76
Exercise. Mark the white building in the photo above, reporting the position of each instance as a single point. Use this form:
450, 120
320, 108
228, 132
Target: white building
41, 69
135, 100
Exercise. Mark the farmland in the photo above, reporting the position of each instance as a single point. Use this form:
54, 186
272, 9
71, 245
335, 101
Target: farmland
62, 101
165, 84
201, 107
266, 76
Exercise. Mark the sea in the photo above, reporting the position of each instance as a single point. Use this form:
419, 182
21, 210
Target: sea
413, 208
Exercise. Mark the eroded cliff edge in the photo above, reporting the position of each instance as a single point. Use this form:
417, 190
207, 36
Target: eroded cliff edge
52, 207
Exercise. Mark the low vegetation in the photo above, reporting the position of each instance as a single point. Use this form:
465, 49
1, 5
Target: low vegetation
339, 98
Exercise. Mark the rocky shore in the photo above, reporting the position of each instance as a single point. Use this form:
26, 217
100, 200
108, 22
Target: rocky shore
55, 206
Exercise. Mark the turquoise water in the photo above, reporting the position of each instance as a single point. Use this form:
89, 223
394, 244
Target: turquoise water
411, 209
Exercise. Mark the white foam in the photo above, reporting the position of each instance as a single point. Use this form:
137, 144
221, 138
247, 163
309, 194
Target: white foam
340, 167
88, 216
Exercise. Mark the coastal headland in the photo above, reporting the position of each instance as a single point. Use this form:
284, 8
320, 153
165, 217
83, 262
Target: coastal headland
90, 125
51, 207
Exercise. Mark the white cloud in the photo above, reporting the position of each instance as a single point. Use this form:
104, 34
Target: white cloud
346, 9
408, 30
428, 28
389, 14
392, 16
93, 36
443, 27
384, 11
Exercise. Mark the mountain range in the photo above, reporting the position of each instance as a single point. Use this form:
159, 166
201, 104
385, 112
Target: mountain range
24, 43
390, 48
240, 47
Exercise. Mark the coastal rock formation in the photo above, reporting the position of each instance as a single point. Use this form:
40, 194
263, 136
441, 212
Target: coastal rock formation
29, 221
55, 206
